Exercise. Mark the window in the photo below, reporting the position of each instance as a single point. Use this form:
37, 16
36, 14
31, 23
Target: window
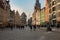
53, 3
50, 11
53, 9
53, 15
50, 5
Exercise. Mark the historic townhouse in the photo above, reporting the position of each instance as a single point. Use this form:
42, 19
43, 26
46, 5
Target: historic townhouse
47, 13
17, 19
43, 16
4, 12
54, 12
23, 19
36, 14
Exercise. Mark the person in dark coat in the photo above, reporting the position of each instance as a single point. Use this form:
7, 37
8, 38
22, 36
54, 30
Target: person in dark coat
49, 28
30, 26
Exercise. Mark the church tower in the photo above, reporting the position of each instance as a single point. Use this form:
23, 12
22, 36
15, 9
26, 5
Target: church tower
37, 5
36, 14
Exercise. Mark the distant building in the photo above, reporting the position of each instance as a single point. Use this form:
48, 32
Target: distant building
43, 16
12, 18
30, 21
23, 19
17, 19
36, 14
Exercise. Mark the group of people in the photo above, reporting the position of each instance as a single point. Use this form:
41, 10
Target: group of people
33, 27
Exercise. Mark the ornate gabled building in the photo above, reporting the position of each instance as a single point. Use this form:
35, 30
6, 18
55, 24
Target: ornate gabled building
36, 14
23, 19
12, 18
8, 9
17, 19
4, 12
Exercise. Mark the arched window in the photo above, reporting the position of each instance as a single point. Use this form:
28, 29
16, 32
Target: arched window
53, 15
53, 3
50, 11
54, 8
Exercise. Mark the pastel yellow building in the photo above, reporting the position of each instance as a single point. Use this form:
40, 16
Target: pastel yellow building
36, 14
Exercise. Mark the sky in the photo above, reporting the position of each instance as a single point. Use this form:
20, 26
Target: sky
26, 6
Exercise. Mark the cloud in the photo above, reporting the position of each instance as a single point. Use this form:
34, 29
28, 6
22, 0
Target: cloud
20, 10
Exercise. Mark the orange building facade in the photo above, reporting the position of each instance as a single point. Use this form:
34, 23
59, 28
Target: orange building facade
52, 12
47, 12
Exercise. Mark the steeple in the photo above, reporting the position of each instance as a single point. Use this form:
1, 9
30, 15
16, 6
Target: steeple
7, 1
37, 1
37, 5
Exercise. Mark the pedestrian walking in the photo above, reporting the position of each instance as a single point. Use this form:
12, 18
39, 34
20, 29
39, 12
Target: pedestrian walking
34, 27
11, 27
49, 28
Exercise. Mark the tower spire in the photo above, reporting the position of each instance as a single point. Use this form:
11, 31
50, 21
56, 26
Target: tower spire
37, 0
37, 5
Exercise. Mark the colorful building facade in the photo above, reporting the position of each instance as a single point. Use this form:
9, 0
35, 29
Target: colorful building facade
43, 16
36, 14
53, 12
47, 12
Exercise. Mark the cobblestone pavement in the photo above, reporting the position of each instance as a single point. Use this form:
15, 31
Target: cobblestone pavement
27, 34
